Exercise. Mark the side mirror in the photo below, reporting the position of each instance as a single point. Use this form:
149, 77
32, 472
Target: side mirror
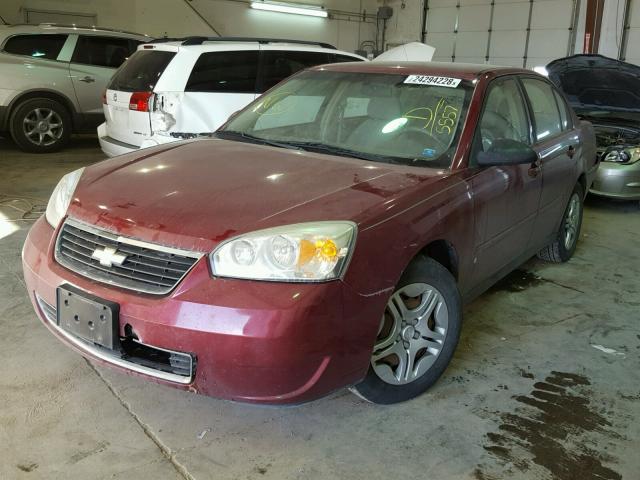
507, 152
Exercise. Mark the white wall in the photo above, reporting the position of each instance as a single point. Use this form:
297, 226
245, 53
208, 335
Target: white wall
611, 33
174, 18
344, 31
406, 23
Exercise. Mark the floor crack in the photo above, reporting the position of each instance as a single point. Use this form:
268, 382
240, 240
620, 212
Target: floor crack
166, 451
561, 285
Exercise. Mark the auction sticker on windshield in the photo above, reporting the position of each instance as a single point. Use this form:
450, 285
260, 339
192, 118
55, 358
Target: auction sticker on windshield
431, 80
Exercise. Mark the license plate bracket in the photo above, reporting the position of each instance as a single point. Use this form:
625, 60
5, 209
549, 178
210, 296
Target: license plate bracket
88, 317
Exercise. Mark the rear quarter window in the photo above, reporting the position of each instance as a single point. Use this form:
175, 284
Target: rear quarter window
37, 46
110, 52
233, 71
141, 72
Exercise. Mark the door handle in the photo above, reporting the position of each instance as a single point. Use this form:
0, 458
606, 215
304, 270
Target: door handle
571, 151
87, 79
534, 169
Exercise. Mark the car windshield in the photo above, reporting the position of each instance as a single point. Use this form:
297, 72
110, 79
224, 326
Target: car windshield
408, 119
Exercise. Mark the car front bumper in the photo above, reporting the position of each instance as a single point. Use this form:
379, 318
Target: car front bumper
617, 181
259, 342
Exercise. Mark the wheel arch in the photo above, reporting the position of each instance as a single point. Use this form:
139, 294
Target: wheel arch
443, 252
39, 93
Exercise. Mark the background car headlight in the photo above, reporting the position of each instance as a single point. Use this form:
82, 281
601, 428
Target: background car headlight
623, 155
305, 252
61, 197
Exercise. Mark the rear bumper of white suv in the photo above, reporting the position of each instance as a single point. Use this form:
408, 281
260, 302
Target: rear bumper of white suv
112, 147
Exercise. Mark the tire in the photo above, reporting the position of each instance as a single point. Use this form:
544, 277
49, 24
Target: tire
562, 248
40, 125
425, 342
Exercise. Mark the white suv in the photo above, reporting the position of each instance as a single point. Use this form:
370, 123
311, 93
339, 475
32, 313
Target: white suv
52, 78
171, 90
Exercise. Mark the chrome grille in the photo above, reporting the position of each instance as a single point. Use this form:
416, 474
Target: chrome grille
147, 267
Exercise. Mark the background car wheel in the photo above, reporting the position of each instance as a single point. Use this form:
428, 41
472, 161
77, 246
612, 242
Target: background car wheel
418, 334
40, 125
565, 243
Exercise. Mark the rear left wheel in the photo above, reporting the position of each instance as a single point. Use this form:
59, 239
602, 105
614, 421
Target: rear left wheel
418, 334
563, 246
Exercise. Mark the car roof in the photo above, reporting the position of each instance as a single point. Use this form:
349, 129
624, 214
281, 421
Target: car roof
44, 28
464, 71
215, 46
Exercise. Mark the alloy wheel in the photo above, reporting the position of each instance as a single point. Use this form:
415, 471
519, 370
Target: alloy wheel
572, 222
42, 126
411, 334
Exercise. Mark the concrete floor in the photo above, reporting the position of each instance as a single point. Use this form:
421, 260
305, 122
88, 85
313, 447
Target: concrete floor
545, 383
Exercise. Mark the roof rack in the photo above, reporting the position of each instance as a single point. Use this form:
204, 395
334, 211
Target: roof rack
84, 27
200, 40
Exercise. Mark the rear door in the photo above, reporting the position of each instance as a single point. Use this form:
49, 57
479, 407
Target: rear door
94, 61
506, 197
126, 101
557, 146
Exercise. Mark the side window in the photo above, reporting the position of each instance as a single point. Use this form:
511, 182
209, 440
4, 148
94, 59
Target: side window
38, 46
108, 52
280, 64
503, 115
544, 106
229, 72
565, 116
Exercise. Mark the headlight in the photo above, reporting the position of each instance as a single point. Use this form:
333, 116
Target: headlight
306, 252
61, 197
623, 155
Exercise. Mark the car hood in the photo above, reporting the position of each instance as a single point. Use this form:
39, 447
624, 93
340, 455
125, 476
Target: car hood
598, 86
196, 194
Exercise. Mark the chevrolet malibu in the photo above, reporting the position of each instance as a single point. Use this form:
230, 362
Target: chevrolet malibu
326, 237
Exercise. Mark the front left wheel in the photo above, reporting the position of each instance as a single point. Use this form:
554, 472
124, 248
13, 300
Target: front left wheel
417, 336
40, 125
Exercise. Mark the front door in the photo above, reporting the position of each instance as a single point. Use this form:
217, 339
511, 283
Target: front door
506, 198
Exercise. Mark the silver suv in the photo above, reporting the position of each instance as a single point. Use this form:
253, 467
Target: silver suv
52, 78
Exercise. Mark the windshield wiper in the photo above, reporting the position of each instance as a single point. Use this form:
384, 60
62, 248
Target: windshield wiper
313, 147
345, 152
233, 134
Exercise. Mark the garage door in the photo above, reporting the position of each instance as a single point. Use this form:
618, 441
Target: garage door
632, 40
501, 32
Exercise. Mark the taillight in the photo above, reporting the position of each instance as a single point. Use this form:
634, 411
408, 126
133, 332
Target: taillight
139, 101
104, 97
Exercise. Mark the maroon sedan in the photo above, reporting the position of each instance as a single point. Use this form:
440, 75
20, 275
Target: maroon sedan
326, 237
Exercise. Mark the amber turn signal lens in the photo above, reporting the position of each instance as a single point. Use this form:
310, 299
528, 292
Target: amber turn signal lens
327, 249
307, 252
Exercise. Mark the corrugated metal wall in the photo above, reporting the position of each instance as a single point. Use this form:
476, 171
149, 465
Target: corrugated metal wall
631, 33
502, 32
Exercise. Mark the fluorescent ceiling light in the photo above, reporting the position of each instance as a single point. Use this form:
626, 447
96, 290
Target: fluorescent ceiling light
289, 8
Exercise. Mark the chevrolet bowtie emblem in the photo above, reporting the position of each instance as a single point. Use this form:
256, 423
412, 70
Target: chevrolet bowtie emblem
108, 256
